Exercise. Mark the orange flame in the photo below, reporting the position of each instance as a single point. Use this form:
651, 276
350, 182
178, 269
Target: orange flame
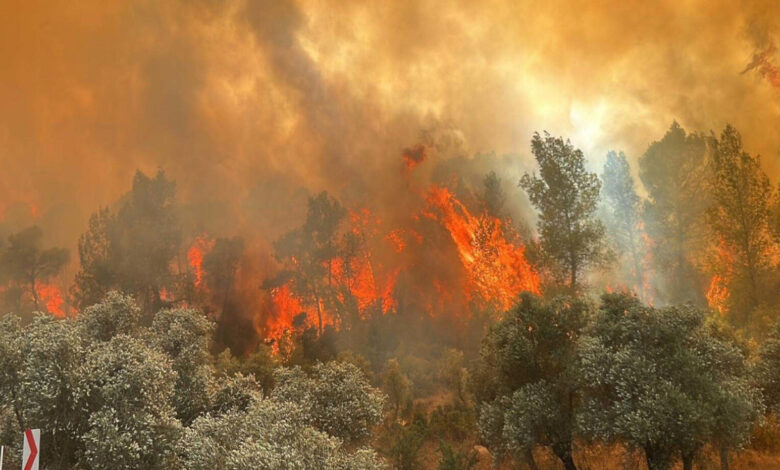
50, 296
492, 262
413, 156
718, 291
763, 63
286, 307
497, 268
195, 256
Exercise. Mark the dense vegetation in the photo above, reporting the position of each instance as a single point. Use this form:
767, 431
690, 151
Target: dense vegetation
675, 358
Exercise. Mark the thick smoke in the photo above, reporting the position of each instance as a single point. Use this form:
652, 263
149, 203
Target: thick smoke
252, 105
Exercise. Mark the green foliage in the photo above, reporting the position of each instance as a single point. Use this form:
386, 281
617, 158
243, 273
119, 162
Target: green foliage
566, 195
260, 364
453, 459
116, 314
108, 393
405, 444
184, 335
767, 370
396, 385
452, 373
623, 207
275, 435
674, 173
456, 422
530, 379
739, 217
126, 396
662, 381
336, 397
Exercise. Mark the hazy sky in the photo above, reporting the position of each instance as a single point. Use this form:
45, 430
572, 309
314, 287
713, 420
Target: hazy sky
326, 94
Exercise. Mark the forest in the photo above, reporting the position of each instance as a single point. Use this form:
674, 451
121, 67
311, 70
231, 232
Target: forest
630, 318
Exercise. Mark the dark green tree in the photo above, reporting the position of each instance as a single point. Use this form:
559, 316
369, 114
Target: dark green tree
623, 206
528, 378
132, 249
739, 216
308, 253
673, 171
24, 264
566, 195
225, 300
493, 195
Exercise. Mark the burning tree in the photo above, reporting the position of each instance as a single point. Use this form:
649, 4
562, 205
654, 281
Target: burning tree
132, 249
739, 218
308, 255
25, 266
566, 195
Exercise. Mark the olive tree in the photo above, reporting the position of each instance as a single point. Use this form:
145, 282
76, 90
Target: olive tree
336, 397
662, 381
528, 376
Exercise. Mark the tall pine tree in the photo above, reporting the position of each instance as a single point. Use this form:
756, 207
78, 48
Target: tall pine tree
740, 219
673, 172
566, 195
623, 205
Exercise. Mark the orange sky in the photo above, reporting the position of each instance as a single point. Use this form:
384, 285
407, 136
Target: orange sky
230, 96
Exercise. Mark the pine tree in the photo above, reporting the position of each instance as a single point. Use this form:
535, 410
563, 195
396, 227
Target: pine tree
623, 205
566, 195
673, 172
740, 218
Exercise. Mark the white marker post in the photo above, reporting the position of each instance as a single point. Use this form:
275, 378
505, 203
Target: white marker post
1, 457
30, 451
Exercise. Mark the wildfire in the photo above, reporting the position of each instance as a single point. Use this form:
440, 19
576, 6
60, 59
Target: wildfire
763, 63
718, 292
497, 268
50, 296
195, 256
412, 157
490, 264
287, 309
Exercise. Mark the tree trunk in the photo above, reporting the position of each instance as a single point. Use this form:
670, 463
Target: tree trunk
656, 460
529, 459
724, 457
563, 452
687, 461
34, 292
568, 463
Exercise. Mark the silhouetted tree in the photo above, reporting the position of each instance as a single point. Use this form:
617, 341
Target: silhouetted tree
24, 264
493, 195
131, 250
308, 254
221, 264
566, 195
739, 217
674, 173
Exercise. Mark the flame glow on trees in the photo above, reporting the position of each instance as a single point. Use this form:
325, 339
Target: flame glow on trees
199, 247
491, 260
50, 296
718, 291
